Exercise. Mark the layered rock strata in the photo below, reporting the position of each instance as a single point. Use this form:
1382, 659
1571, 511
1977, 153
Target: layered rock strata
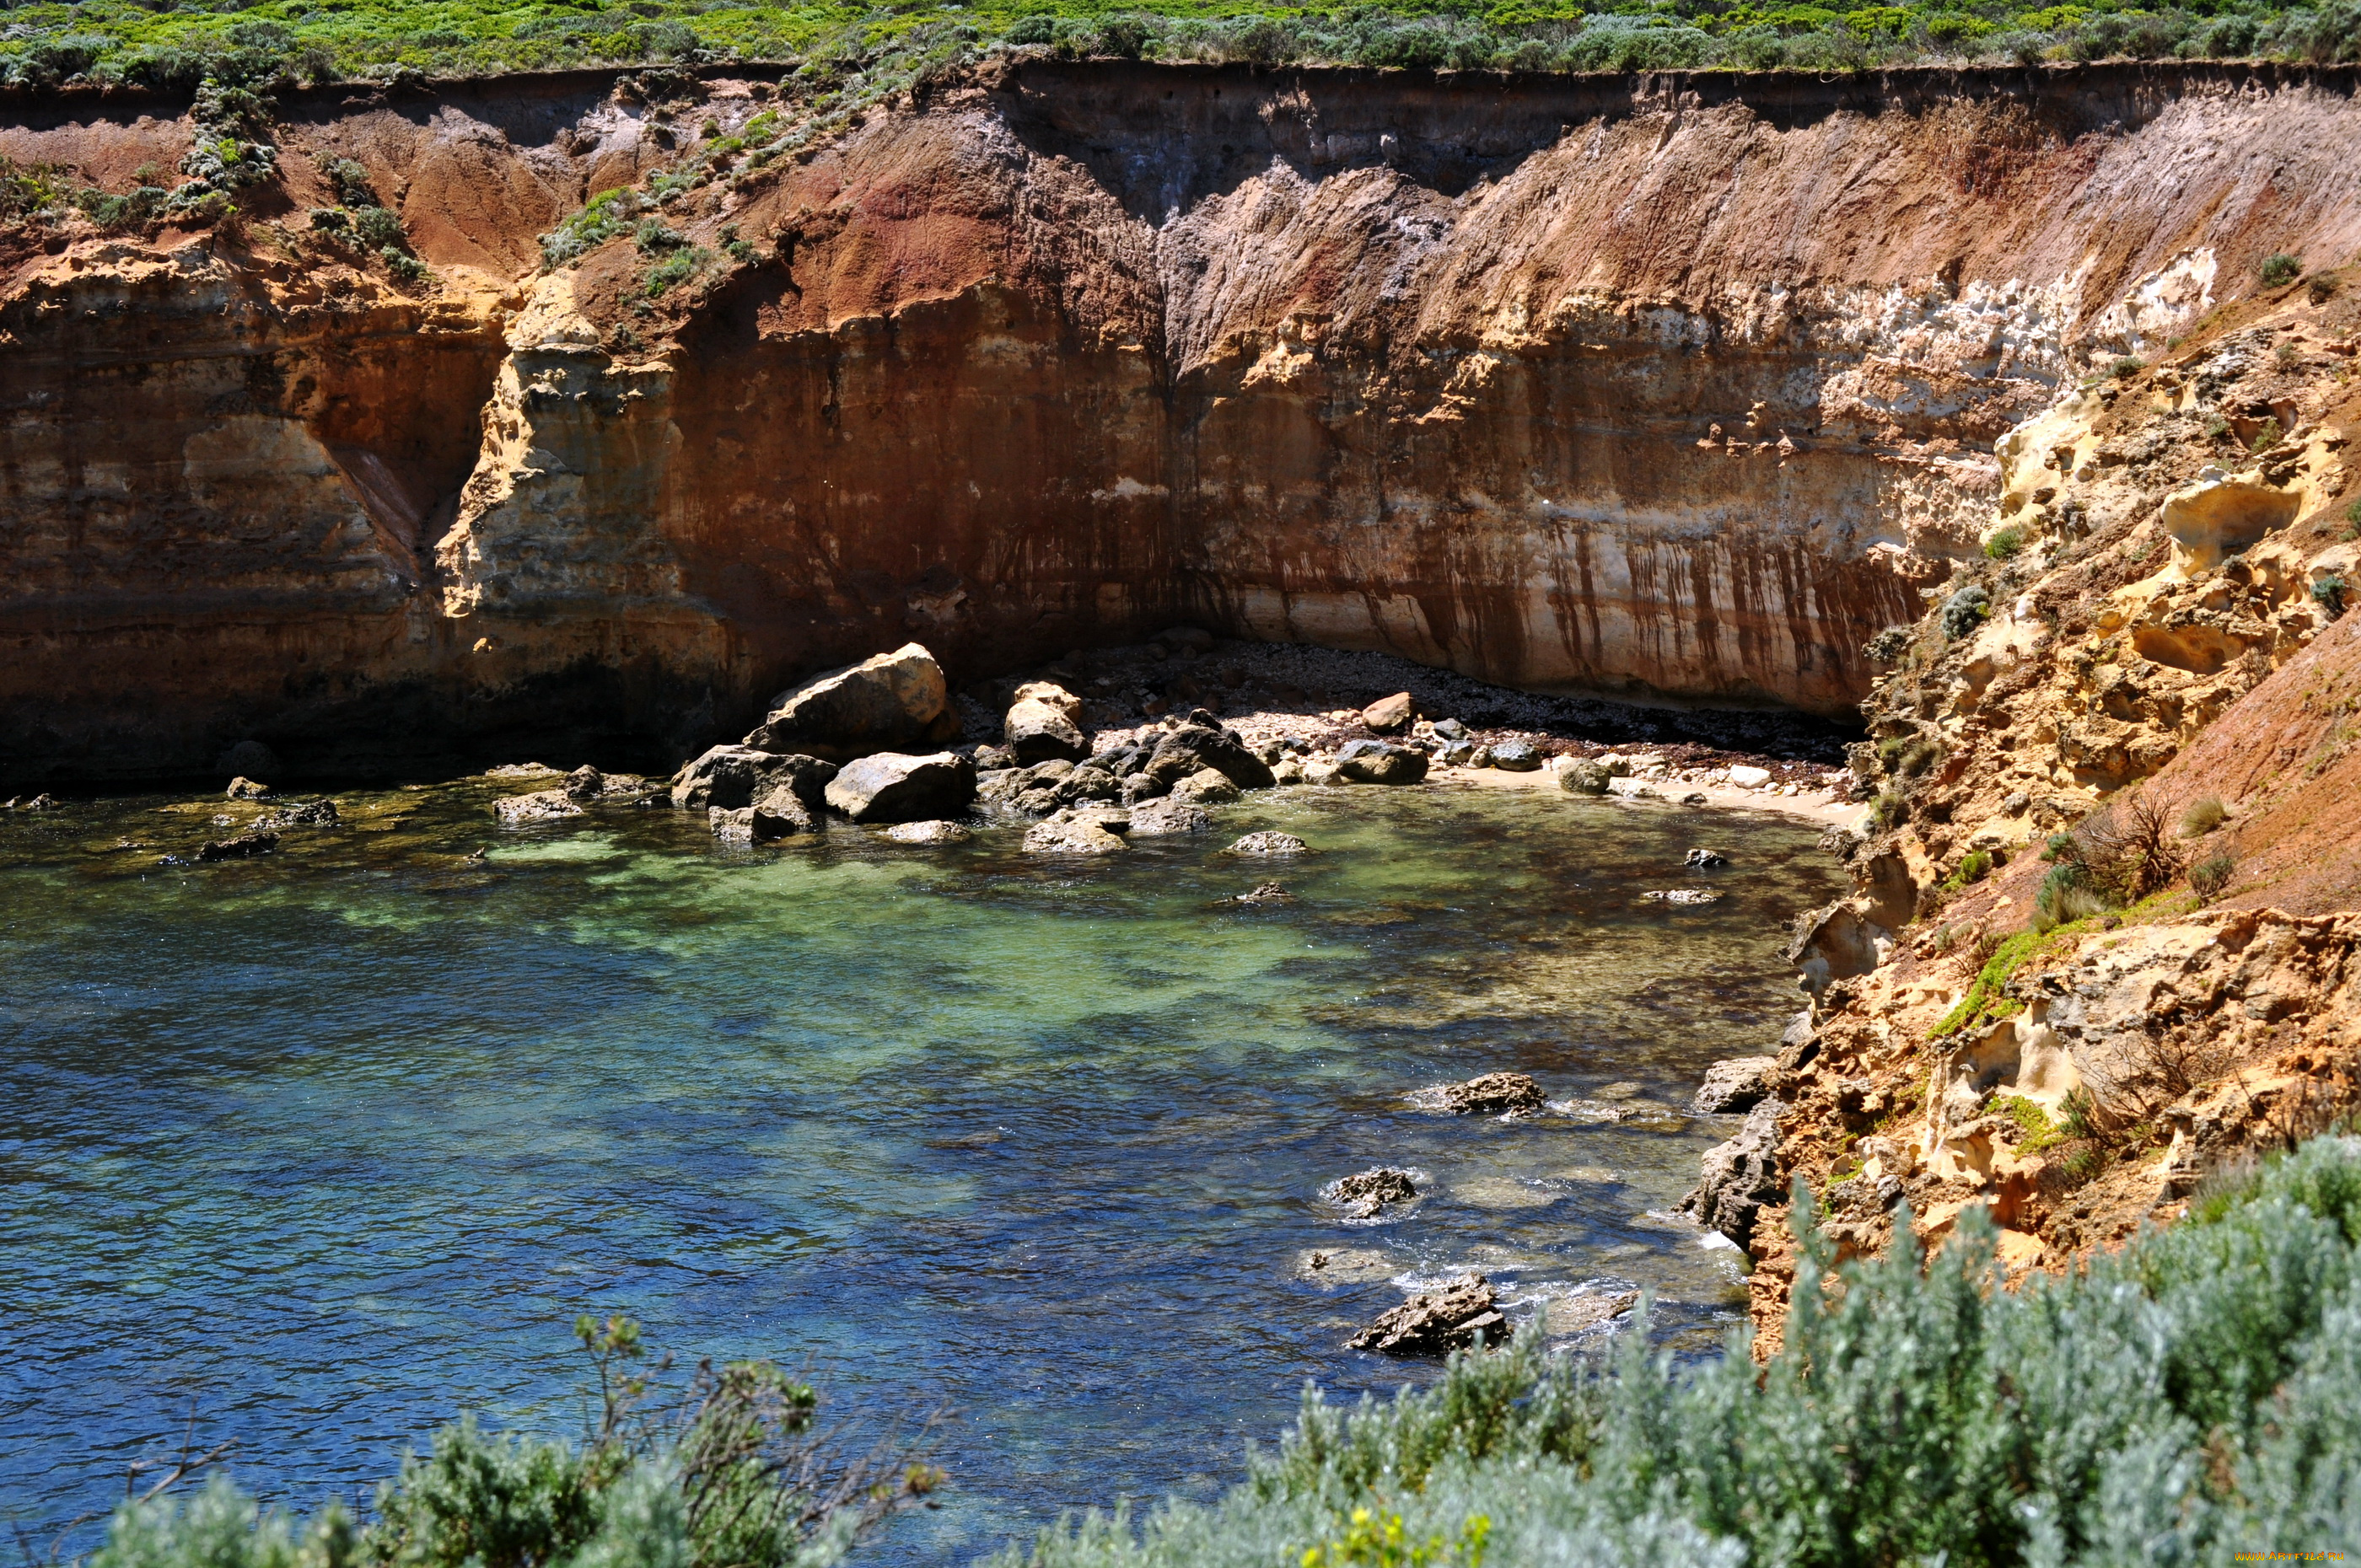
1675, 386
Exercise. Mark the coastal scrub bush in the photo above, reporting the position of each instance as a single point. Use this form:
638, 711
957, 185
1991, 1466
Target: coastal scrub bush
2127, 366
2280, 269
2203, 815
1965, 609
2004, 544
726, 1471
1892, 643
2069, 894
2179, 1400
2329, 593
2211, 876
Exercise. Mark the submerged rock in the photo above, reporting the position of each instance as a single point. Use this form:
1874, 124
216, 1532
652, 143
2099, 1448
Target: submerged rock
245, 845
893, 786
302, 814
1682, 895
1265, 893
892, 700
1494, 1094
1381, 762
1436, 1323
1703, 860
1087, 836
1732, 1086
1575, 1314
1737, 1178
1368, 1194
1268, 843
540, 806
933, 831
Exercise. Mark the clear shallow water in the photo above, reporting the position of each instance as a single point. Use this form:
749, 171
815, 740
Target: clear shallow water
331, 1145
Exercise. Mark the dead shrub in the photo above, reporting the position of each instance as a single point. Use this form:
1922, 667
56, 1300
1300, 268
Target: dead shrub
2128, 849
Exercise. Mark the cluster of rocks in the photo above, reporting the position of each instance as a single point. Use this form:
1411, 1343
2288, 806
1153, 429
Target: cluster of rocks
1438, 1321
33, 803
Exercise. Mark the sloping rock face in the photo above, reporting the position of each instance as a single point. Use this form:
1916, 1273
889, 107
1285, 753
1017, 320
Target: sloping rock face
1676, 384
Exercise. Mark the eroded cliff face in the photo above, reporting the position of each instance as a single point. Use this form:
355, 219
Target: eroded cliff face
1681, 387
2101, 943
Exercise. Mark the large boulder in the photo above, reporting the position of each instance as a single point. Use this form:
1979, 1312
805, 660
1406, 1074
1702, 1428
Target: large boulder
731, 777
1381, 762
1739, 1177
1389, 715
893, 700
1044, 722
894, 786
1195, 746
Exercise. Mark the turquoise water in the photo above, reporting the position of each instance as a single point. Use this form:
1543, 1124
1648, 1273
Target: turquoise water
324, 1148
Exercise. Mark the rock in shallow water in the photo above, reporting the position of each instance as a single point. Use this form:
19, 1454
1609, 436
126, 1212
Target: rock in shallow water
732, 776
1367, 1193
247, 789
1501, 1093
1155, 818
1579, 777
1436, 1323
540, 806
1381, 762
892, 786
245, 845
1087, 837
1270, 844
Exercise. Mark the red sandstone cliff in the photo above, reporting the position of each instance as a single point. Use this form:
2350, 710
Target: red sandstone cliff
1680, 385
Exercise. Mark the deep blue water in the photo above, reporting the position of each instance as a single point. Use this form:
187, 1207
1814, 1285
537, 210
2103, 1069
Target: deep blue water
322, 1149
